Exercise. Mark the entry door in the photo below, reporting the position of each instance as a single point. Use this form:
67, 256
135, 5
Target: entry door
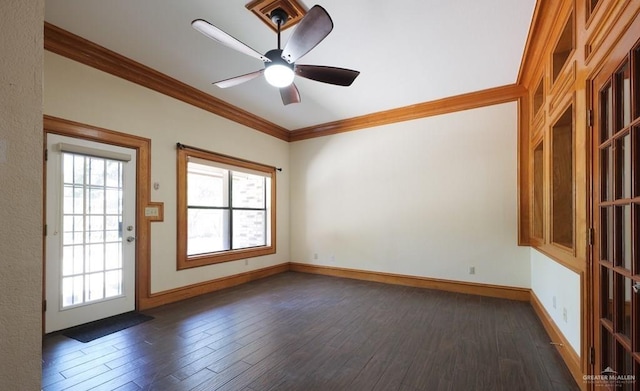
90, 238
616, 155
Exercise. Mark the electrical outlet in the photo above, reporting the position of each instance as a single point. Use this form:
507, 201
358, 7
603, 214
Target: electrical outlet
315, 256
472, 270
554, 302
246, 262
333, 258
564, 315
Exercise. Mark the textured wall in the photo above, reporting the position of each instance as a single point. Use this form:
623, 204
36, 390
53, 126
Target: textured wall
430, 197
21, 43
77, 92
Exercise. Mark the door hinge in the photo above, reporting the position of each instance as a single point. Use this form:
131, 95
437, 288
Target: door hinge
46, 155
46, 227
592, 356
591, 236
44, 306
589, 118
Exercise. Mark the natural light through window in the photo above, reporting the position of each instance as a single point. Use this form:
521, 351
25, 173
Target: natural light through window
226, 207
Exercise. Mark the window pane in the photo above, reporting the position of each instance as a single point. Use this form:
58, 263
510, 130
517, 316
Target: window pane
606, 113
608, 350
249, 228
96, 201
113, 283
606, 173
207, 231
607, 286
206, 185
96, 171
623, 236
623, 78
95, 258
113, 256
606, 233
623, 167
248, 190
95, 286
625, 327
114, 173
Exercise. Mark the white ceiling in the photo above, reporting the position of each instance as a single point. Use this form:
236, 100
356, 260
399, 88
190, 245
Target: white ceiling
408, 51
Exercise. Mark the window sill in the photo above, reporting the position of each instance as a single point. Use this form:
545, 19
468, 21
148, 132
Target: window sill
225, 256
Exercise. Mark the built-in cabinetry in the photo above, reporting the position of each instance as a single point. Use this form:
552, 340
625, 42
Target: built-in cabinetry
578, 205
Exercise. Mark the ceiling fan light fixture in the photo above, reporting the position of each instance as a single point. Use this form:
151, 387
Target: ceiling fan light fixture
278, 72
279, 75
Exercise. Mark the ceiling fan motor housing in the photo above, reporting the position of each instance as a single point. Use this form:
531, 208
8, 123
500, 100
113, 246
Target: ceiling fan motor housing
275, 55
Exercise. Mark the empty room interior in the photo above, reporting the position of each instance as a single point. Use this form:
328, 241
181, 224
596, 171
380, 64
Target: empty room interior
430, 196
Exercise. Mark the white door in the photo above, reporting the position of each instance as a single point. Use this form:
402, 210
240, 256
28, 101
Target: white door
90, 239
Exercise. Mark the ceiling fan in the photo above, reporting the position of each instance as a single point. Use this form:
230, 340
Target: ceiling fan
280, 64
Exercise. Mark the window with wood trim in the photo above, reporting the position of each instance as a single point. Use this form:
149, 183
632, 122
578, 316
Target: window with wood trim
226, 208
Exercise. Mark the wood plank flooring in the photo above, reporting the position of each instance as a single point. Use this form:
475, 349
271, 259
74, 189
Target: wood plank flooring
297, 331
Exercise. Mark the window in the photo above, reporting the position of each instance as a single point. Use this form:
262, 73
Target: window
226, 208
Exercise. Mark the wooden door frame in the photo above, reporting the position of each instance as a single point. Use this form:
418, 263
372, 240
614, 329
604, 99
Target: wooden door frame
142, 146
607, 66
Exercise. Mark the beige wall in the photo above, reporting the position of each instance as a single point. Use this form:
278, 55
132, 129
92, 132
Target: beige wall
21, 41
429, 197
77, 92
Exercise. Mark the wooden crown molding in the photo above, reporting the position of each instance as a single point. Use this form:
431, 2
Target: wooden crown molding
76, 48
452, 104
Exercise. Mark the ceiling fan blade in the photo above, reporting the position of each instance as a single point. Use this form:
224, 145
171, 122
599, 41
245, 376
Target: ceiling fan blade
324, 74
290, 94
220, 36
311, 30
234, 81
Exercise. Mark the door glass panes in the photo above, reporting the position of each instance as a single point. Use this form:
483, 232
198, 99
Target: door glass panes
606, 173
623, 81
606, 233
623, 167
607, 286
606, 113
623, 236
91, 228
608, 352
618, 205
636, 72
624, 326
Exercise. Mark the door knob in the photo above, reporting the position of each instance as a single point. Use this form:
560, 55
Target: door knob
130, 239
636, 287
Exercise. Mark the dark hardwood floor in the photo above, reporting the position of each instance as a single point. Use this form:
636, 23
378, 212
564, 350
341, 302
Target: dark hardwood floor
306, 332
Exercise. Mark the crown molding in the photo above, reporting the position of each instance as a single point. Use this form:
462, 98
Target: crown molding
472, 100
66, 44
76, 48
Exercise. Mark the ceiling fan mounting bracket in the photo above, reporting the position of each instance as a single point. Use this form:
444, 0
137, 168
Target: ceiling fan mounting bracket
263, 9
279, 16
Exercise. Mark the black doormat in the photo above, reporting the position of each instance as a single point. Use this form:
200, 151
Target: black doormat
98, 329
